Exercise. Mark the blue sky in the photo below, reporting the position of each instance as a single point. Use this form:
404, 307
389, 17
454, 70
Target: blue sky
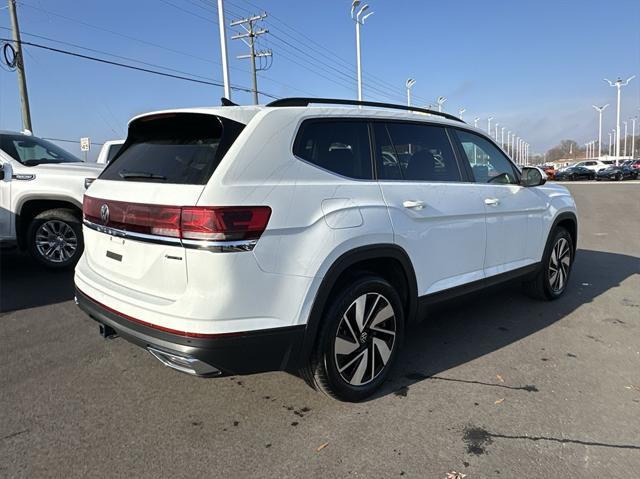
536, 66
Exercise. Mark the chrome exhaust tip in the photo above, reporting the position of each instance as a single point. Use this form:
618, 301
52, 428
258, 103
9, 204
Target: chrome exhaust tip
185, 364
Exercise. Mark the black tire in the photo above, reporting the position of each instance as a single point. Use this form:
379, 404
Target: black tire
543, 286
619, 177
64, 228
323, 371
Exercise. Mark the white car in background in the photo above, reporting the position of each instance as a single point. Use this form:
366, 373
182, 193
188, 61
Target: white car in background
593, 165
41, 190
108, 151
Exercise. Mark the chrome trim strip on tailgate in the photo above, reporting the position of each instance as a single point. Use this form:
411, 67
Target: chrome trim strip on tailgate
214, 246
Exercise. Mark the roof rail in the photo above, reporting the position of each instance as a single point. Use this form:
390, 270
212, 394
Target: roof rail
302, 101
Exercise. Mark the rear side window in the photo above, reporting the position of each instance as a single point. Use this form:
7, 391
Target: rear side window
341, 147
179, 148
414, 152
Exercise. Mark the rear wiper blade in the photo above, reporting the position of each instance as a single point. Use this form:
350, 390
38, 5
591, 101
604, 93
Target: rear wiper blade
132, 175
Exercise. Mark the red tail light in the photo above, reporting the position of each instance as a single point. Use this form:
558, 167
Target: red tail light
225, 223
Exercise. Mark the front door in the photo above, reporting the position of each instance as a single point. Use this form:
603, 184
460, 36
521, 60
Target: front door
437, 216
514, 212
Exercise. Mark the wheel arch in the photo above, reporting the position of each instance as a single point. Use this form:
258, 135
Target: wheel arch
386, 260
568, 221
30, 207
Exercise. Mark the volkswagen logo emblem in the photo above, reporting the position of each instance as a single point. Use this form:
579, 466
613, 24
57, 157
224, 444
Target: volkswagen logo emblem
104, 213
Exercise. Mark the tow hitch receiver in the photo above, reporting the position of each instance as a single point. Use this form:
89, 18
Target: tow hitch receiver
107, 332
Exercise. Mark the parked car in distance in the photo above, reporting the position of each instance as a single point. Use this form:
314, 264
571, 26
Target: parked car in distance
108, 151
633, 164
573, 173
41, 190
617, 173
593, 165
242, 239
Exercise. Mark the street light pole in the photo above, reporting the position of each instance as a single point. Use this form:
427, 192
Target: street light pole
489, 125
600, 109
359, 21
502, 138
633, 137
461, 112
440, 101
410, 82
619, 83
496, 127
625, 138
610, 142
475, 121
223, 50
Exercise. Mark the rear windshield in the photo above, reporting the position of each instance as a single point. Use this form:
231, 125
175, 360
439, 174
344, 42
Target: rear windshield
179, 148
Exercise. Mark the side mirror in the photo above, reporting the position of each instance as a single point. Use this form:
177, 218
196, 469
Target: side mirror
532, 176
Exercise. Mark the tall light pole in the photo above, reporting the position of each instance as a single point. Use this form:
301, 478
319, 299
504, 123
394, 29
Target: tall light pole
475, 121
410, 82
223, 50
440, 101
625, 137
461, 112
619, 83
600, 109
359, 19
610, 143
502, 138
509, 142
633, 137
489, 125
496, 127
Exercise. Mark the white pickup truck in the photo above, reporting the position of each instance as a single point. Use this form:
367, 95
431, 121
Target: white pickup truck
108, 151
41, 191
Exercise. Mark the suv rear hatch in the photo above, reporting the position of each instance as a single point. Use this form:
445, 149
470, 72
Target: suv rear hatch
142, 207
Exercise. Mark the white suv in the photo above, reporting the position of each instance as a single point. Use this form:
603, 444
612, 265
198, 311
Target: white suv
235, 240
593, 165
41, 190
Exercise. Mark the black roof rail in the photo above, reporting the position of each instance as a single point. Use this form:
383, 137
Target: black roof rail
303, 101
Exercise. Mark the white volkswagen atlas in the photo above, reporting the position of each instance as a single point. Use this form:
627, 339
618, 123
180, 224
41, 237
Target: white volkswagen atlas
305, 235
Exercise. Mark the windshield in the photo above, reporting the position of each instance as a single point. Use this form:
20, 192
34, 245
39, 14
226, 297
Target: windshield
31, 151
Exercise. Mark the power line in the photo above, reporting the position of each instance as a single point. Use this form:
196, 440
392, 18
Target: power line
133, 67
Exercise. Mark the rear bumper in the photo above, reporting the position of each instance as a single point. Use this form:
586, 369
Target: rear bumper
225, 354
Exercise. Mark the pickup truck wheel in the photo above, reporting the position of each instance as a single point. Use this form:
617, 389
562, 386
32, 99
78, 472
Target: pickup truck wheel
551, 280
54, 238
358, 340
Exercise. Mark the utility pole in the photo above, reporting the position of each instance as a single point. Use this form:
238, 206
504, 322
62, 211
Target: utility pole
619, 83
22, 77
249, 38
223, 50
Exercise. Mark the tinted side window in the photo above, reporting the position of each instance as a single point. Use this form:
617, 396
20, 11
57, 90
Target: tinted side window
414, 152
488, 163
338, 146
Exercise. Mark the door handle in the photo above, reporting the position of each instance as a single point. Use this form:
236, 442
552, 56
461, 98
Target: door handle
413, 204
491, 201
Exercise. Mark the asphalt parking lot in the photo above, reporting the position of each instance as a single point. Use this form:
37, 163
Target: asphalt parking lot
496, 385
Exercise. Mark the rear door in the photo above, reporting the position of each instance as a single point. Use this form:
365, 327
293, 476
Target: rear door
132, 212
514, 213
437, 215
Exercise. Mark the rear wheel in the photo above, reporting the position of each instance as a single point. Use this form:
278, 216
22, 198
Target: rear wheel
619, 177
358, 340
551, 280
54, 238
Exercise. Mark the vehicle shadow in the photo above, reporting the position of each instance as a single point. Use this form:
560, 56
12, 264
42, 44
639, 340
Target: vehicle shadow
464, 329
26, 284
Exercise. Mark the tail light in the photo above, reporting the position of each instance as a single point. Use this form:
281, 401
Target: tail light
193, 223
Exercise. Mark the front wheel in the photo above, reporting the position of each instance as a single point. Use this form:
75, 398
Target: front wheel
359, 340
54, 238
551, 280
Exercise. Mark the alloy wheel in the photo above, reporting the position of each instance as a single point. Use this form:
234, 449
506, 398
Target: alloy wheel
365, 339
56, 241
559, 265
